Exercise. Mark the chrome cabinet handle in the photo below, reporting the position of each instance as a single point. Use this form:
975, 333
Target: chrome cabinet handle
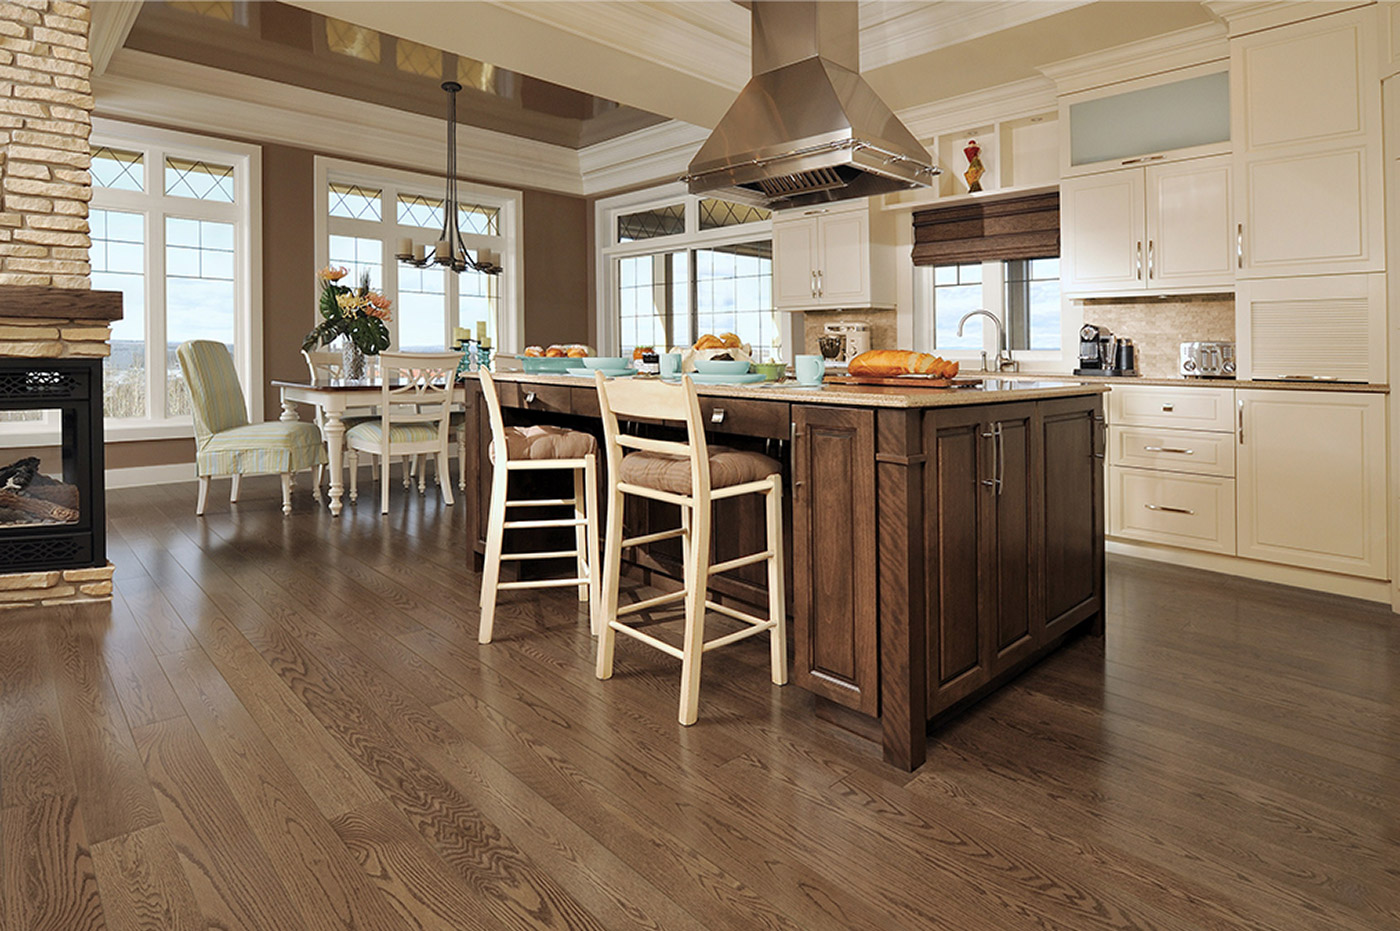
1145, 158
819, 282
1139, 260
1151, 270
1241, 415
1102, 423
813, 213
1001, 459
1169, 449
717, 415
1169, 508
991, 435
814, 282
529, 397
1239, 245
1168, 408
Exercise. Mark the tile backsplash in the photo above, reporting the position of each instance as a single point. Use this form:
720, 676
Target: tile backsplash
1158, 326
884, 326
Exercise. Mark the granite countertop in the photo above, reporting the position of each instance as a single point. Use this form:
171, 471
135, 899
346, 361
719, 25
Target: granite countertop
992, 391
1180, 382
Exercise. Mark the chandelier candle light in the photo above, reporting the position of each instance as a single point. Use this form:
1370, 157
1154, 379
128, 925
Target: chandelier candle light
449, 250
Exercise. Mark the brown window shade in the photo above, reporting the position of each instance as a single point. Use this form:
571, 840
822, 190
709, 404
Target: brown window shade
991, 230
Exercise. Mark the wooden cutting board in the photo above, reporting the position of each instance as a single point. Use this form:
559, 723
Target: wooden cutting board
898, 381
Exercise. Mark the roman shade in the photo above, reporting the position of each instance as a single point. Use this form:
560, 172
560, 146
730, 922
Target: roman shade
1024, 227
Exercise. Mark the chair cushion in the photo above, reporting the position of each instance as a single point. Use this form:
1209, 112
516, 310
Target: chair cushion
672, 473
546, 442
371, 432
275, 446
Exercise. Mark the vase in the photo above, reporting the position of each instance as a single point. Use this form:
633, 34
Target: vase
352, 362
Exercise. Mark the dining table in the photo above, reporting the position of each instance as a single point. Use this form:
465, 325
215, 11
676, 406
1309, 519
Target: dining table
333, 398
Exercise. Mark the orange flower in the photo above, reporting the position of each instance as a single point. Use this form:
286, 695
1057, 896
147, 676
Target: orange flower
380, 301
332, 273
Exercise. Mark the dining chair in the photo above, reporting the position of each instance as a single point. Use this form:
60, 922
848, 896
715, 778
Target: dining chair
537, 448
693, 475
226, 443
415, 408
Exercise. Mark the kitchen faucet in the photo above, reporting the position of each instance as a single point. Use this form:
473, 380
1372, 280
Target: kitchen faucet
1004, 360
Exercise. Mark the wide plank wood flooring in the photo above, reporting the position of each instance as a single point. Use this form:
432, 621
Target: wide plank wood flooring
288, 724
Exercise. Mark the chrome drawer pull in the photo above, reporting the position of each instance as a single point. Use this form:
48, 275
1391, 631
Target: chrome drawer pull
529, 397
1169, 449
1168, 408
1164, 507
717, 415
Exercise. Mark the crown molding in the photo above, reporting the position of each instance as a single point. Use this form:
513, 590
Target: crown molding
661, 152
1168, 52
111, 24
1246, 16
907, 30
1005, 102
153, 89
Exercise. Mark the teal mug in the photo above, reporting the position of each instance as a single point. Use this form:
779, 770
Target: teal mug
810, 370
670, 365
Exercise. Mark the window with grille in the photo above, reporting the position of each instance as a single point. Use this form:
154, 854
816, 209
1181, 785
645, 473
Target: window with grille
355, 41
198, 179
418, 59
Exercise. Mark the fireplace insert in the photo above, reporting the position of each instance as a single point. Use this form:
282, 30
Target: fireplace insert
54, 521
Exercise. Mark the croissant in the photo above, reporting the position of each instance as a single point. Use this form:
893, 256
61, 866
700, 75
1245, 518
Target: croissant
709, 341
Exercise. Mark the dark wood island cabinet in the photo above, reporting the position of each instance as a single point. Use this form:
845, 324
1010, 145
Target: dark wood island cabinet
939, 542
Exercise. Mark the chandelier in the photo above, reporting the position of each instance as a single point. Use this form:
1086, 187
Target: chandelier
449, 250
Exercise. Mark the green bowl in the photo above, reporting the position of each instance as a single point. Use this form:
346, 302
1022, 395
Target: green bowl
771, 371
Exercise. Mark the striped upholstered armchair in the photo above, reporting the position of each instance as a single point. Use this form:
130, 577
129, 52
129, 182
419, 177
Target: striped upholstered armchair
225, 442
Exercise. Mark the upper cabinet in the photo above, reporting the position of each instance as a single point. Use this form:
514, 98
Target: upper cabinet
1163, 228
1306, 125
833, 257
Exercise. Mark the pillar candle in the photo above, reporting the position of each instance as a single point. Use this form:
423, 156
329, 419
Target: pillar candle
443, 249
405, 247
480, 330
420, 252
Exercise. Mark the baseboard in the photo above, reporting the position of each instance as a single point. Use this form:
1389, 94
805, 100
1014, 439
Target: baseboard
137, 476
1351, 586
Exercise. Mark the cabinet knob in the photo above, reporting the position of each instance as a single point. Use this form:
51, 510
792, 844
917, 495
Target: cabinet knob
1168, 408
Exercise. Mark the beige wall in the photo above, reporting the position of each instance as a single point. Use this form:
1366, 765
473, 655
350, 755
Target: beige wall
557, 269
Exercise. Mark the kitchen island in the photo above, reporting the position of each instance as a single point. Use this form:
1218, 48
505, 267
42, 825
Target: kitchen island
939, 541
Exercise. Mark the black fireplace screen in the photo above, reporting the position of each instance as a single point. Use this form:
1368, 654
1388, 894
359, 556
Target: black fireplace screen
53, 519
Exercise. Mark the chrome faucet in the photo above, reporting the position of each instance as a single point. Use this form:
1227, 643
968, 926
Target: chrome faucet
1004, 360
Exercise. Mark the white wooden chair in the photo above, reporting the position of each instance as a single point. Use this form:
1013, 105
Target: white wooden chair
536, 448
415, 404
691, 474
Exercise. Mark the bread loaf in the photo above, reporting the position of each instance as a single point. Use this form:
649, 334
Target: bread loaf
891, 363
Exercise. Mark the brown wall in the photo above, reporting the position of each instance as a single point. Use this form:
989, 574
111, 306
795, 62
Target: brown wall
556, 250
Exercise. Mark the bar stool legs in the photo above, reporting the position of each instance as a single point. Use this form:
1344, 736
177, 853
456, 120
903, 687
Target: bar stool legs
584, 523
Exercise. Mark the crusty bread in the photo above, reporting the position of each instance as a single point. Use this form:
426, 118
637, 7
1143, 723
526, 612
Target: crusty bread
891, 363
731, 341
709, 341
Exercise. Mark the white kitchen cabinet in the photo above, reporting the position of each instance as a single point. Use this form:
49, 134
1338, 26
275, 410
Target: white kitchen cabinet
831, 258
1160, 228
1324, 326
1312, 480
1306, 125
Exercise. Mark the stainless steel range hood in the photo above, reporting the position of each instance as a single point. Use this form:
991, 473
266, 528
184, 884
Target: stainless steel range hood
807, 129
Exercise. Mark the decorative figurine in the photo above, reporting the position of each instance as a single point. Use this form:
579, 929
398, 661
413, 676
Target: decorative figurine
974, 171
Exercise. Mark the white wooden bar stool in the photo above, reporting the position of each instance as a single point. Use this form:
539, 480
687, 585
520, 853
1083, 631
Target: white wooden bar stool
692, 475
537, 448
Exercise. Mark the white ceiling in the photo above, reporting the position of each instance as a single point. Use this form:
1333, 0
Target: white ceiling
686, 59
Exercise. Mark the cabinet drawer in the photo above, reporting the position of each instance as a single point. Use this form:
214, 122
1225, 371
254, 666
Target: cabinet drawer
1174, 450
772, 419
1193, 511
1186, 408
557, 399
585, 402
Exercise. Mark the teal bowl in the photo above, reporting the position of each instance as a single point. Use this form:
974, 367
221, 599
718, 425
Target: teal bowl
603, 363
721, 366
538, 365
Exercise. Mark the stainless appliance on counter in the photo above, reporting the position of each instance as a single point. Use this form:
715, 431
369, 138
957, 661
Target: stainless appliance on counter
854, 339
1208, 359
1101, 354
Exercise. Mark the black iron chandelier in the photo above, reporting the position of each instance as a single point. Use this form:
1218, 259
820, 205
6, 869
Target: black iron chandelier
449, 250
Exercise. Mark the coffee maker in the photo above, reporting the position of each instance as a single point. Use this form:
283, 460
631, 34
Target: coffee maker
854, 339
1095, 351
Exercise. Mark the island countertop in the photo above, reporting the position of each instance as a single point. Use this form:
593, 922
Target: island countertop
978, 391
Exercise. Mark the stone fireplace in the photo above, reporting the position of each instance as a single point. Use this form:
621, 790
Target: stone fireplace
52, 519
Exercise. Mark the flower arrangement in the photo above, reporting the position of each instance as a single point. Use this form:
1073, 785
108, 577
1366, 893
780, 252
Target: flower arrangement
359, 314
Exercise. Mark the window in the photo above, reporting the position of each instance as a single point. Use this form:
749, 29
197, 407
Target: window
1033, 303
957, 291
366, 211
1024, 294
173, 222
350, 39
685, 266
418, 59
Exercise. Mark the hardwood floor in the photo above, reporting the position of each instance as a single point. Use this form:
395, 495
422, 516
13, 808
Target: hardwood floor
288, 724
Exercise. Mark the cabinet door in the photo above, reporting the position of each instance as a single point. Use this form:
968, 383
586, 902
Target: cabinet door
958, 478
1013, 534
1311, 487
835, 609
843, 269
1190, 239
794, 262
1307, 115
1071, 537
1102, 225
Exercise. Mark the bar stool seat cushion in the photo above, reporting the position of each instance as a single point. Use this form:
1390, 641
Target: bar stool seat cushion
672, 473
546, 442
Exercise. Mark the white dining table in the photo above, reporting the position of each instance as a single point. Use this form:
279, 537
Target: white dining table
334, 399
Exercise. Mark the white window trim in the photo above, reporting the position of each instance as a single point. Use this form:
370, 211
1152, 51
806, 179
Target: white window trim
510, 321
994, 302
246, 213
609, 253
